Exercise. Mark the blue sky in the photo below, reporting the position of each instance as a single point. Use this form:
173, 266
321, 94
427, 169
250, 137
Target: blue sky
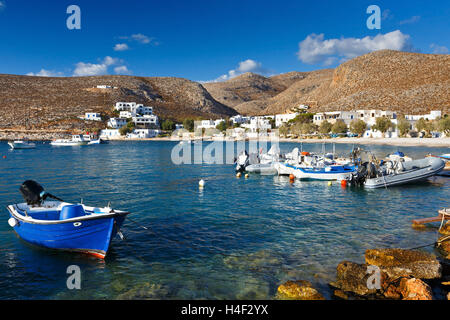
209, 40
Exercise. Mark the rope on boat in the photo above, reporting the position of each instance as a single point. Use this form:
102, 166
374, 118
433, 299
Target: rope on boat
436, 243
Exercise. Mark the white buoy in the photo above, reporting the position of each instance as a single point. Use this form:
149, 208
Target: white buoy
201, 183
12, 222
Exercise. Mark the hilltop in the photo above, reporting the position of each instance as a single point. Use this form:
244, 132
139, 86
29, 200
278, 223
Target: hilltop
41, 102
408, 83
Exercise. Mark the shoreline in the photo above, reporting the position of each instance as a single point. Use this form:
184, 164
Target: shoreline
37, 135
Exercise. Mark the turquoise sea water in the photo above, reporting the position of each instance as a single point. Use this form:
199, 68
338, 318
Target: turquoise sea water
235, 239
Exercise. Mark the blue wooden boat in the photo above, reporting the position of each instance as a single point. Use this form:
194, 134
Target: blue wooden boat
65, 226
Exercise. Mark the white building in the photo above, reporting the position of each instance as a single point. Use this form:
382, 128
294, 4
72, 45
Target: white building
126, 114
146, 121
333, 116
179, 126
104, 86
238, 119
204, 124
116, 123
143, 133
218, 121
257, 125
433, 115
109, 134
125, 106
280, 119
92, 116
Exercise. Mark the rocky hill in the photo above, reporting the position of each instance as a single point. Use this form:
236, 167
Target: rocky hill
41, 102
410, 83
405, 82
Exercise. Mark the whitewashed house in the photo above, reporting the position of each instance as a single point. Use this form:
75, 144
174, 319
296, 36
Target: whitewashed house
179, 126
143, 133
239, 119
116, 123
107, 134
433, 115
281, 119
257, 126
333, 116
204, 124
126, 114
92, 116
146, 121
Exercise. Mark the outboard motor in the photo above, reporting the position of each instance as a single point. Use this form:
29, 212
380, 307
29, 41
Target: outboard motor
34, 194
242, 161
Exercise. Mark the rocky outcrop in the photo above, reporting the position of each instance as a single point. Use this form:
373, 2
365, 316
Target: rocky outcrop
352, 277
298, 290
404, 263
444, 246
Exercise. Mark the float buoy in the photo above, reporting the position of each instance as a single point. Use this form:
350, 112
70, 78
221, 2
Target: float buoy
330, 183
344, 183
12, 222
246, 176
4, 157
291, 177
238, 174
201, 183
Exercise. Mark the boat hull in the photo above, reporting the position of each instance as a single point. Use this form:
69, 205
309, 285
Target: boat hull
21, 145
264, 169
433, 167
90, 236
334, 173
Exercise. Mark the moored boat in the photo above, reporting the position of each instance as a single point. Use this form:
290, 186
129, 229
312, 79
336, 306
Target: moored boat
77, 140
64, 226
21, 144
393, 173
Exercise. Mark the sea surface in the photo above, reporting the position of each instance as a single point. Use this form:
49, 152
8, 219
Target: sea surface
236, 238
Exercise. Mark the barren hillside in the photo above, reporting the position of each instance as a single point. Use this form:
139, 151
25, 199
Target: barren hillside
40, 102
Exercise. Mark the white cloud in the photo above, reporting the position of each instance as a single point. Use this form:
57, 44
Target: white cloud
121, 47
141, 38
439, 49
386, 15
95, 69
411, 20
248, 65
46, 73
121, 70
315, 49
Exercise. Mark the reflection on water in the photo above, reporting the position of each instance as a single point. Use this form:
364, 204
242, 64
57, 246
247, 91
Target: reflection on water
234, 239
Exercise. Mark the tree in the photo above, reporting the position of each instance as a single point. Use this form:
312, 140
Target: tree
272, 123
283, 130
403, 126
188, 124
358, 127
222, 126
308, 128
423, 125
168, 125
127, 129
383, 124
325, 127
444, 125
303, 118
339, 127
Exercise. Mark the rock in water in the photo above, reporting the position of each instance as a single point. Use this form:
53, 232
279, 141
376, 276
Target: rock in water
415, 289
404, 263
352, 277
444, 246
298, 290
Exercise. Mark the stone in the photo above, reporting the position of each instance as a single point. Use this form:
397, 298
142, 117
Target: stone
448, 296
352, 277
298, 290
405, 263
340, 294
145, 291
415, 289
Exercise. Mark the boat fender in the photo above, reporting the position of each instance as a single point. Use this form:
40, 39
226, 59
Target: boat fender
12, 222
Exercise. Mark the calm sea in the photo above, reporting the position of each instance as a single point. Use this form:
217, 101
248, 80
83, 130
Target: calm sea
235, 239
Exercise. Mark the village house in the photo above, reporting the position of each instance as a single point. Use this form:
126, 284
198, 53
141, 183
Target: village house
281, 119
116, 123
146, 121
143, 133
92, 116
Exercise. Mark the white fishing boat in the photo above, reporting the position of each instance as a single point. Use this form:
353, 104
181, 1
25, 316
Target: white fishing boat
393, 173
77, 140
266, 162
21, 144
